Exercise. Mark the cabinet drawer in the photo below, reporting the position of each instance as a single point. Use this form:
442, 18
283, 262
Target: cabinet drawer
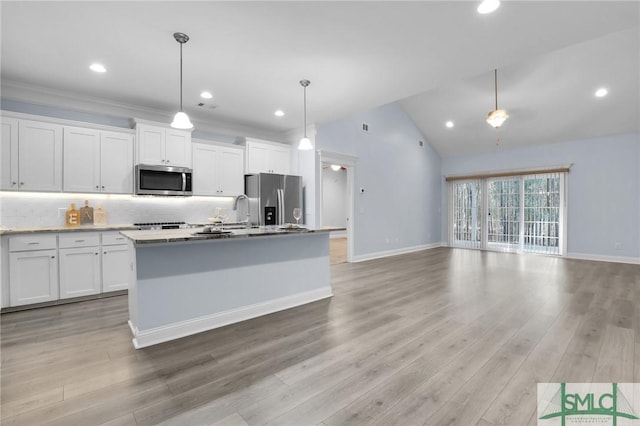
113, 238
79, 239
32, 242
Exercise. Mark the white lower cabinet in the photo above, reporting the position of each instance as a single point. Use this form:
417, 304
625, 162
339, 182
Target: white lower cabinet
47, 267
79, 272
33, 276
116, 262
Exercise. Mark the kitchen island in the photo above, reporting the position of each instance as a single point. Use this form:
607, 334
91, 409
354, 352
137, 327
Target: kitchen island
184, 282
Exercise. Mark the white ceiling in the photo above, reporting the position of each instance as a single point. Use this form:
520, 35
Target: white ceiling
437, 58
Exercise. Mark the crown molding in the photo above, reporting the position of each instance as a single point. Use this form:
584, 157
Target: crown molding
71, 101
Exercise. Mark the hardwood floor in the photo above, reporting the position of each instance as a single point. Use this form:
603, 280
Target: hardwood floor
338, 250
444, 336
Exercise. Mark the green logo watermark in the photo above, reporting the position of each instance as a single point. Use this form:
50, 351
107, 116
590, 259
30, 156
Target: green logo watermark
587, 403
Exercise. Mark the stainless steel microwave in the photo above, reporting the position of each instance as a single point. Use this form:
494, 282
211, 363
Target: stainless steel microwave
163, 180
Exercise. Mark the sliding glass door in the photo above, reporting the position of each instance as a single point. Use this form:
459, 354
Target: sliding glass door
523, 213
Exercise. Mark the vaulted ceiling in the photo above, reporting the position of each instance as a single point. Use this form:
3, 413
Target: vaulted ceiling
435, 58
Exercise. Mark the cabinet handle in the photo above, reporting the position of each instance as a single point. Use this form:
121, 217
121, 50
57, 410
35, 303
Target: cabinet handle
102, 186
97, 254
97, 187
79, 241
33, 244
21, 183
13, 183
167, 161
104, 252
53, 257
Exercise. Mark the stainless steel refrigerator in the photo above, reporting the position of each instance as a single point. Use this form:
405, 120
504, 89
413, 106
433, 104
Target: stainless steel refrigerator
273, 197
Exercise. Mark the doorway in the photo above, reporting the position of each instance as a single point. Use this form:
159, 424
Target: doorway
336, 203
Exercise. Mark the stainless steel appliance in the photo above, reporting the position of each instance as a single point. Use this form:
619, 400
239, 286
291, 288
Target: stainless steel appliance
273, 197
162, 180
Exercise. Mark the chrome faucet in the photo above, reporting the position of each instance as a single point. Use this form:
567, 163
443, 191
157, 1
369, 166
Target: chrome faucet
235, 207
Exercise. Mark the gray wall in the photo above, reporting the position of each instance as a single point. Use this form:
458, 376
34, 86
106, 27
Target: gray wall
603, 189
400, 206
334, 197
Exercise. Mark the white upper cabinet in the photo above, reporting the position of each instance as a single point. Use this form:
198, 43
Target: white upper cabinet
267, 158
217, 170
231, 166
9, 154
161, 146
39, 156
116, 163
96, 161
81, 160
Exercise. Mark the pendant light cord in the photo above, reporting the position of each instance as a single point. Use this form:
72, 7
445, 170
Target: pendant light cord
181, 76
305, 111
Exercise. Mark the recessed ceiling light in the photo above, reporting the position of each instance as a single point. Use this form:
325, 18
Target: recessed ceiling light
206, 95
488, 6
449, 124
602, 92
97, 68
279, 113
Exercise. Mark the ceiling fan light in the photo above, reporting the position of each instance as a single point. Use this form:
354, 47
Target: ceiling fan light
181, 121
305, 144
497, 117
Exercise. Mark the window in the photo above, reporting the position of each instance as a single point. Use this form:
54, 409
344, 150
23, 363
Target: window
524, 213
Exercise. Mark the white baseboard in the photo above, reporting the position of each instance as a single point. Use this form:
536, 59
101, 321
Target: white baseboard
603, 258
387, 253
157, 335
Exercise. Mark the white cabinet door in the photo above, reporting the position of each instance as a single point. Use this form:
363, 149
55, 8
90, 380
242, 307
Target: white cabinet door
40, 156
116, 267
81, 163
257, 158
79, 271
9, 154
33, 277
279, 161
116, 163
205, 173
151, 143
178, 148
231, 176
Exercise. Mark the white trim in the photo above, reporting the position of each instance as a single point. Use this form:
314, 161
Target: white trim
387, 253
162, 334
65, 122
603, 258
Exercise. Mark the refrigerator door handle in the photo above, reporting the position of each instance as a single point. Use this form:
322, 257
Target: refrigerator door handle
280, 207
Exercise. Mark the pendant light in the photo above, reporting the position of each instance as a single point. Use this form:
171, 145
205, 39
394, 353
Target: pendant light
181, 120
497, 116
305, 143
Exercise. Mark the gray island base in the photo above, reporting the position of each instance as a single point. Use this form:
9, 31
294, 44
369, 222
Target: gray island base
188, 284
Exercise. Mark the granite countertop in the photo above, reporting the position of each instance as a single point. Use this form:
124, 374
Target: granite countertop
95, 228
187, 235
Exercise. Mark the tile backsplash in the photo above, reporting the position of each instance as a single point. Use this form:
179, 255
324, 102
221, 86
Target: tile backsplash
20, 210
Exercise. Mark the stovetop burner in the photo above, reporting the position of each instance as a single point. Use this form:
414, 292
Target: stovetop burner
161, 225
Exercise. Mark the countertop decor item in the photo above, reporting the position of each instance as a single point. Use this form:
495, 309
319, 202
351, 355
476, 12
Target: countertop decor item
99, 216
181, 120
72, 217
86, 214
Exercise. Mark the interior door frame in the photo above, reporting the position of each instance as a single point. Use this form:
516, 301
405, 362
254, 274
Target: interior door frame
349, 163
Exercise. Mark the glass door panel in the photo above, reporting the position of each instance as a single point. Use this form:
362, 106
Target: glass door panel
503, 222
466, 221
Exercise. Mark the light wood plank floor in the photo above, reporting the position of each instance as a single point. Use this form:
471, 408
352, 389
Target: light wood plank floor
443, 336
338, 250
